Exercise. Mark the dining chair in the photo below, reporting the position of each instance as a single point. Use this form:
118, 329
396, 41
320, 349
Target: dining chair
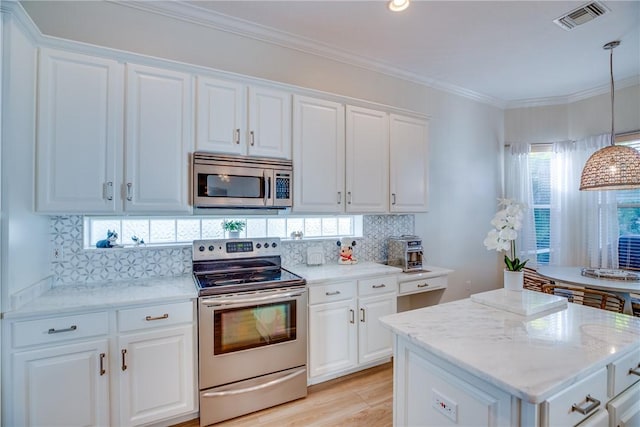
534, 281
588, 297
635, 306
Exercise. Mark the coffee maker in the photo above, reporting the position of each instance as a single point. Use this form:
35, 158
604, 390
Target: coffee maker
406, 252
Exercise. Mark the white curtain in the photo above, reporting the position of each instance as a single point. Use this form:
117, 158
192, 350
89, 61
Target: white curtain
518, 187
583, 224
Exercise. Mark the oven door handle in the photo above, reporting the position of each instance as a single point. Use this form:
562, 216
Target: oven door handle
255, 387
211, 302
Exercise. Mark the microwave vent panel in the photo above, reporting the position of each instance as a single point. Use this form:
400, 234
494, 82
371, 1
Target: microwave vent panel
581, 15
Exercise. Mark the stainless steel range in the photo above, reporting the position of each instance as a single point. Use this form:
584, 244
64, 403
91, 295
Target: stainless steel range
252, 331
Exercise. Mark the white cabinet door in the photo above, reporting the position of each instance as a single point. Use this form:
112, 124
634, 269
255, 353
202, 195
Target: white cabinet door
409, 164
156, 375
79, 133
61, 386
221, 116
332, 337
158, 140
241, 120
269, 123
318, 155
374, 340
367, 160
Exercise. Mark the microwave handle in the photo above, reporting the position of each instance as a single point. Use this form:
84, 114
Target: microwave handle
267, 188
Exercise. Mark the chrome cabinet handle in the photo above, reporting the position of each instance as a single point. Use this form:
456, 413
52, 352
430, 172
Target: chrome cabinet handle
123, 366
352, 316
362, 314
393, 197
255, 387
635, 371
129, 191
332, 293
237, 132
349, 197
57, 331
253, 138
108, 190
594, 404
382, 285
339, 197
150, 318
102, 370
422, 285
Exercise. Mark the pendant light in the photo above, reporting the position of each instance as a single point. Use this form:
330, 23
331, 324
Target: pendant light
398, 5
615, 167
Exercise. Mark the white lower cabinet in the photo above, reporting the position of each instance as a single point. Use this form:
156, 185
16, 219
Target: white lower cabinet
63, 385
430, 391
64, 369
344, 332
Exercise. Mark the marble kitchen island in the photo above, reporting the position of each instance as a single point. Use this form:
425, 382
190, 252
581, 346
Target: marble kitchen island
467, 363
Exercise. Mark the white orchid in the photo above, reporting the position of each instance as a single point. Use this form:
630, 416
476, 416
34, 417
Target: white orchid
502, 238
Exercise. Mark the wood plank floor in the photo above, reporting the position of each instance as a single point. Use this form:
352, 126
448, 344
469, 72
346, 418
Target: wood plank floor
363, 399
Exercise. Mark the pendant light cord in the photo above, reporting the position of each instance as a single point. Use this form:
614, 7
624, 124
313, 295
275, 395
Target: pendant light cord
613, 135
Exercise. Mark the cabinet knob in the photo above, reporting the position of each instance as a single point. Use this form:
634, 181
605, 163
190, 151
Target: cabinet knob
108, 190
123, 366
253, 138
352, 316
237, 136
339, 197
102, 370
393, 198
362, 315
349, 197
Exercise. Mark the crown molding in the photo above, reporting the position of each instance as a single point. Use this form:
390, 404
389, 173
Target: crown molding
206, 17
17, 12
578, 96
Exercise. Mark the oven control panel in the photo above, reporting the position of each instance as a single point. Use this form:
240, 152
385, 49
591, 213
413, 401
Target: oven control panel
204, 250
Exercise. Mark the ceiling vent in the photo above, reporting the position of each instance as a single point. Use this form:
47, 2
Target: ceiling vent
581, 15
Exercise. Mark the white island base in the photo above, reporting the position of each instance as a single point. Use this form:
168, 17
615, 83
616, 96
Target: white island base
469, 364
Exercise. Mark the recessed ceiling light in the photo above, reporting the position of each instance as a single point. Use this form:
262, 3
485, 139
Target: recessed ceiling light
398, 5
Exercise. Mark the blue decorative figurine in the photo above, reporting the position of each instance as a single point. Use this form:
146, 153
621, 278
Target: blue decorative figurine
110, 241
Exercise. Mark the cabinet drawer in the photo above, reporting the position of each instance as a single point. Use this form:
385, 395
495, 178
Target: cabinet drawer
56, 329
624, 372
423, 285
379, 285
559, 410
155, 316
332, 292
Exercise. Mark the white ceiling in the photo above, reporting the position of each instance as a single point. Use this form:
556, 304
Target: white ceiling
503, 51
507, 53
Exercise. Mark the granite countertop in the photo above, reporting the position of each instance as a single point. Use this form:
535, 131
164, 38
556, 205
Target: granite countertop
326, 272
95, 296
530, 357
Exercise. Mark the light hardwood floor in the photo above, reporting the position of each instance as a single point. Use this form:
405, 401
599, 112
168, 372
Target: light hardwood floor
363, 399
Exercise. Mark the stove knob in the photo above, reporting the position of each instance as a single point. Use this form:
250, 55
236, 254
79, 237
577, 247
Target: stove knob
274, 244
211, 247
201, 248
266, 245
258, 246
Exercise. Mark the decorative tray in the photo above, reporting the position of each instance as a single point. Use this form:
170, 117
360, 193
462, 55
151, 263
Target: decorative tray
525, 303
610, 274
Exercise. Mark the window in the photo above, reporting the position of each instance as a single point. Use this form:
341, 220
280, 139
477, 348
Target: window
539, 161
155, 231
629, 216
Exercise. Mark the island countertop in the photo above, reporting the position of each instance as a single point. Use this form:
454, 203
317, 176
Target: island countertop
530, 357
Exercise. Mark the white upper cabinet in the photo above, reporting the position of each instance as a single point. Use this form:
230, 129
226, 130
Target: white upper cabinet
78, 133
367, 160
318, 155
235, 119
409, 164
158, 139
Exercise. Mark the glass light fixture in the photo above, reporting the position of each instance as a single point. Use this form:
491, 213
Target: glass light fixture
398, 5
615, 167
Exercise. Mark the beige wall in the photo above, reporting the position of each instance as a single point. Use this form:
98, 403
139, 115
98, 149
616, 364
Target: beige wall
591, 116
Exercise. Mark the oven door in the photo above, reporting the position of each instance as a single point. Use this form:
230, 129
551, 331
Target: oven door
231, 186
246, 335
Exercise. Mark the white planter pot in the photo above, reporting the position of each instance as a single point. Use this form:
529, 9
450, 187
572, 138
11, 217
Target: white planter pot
234, 234
513, 280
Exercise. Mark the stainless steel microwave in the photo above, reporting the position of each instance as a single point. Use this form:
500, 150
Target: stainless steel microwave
221, 181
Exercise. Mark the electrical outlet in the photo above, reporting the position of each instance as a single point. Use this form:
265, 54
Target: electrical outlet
57, 254
444, 405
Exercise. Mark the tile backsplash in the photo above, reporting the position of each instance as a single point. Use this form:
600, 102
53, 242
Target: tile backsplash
79, 265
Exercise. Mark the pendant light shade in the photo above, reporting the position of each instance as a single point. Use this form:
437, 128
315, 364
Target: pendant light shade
615, 167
